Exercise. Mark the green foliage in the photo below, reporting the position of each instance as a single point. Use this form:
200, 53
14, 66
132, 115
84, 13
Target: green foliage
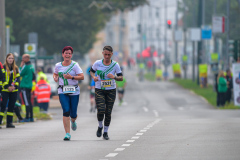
150, 77
9, 22
60, 22
206, 93
37, 115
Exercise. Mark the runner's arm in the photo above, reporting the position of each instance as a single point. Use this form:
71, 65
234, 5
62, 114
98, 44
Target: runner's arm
79, 77
119, 77
55, 77
92, 73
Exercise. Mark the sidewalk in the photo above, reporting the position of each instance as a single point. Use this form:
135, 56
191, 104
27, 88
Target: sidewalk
54, 102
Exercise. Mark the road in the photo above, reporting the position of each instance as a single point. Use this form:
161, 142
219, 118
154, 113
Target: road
158, 121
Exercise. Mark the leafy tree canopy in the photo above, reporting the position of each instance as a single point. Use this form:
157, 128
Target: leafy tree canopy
62, 22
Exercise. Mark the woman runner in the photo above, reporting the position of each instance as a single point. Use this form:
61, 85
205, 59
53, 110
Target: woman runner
68, 73
105, 88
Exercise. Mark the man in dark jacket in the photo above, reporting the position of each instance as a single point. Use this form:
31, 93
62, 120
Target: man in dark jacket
27, 74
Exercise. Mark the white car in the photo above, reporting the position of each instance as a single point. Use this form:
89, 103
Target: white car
52, 84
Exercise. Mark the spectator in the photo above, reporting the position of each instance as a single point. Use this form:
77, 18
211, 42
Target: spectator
9, 88
222, 88
1, 76
41, 74
27, 74
229, 86
42, 93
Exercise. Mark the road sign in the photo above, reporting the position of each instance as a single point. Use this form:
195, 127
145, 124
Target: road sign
30, 48
206, 32
218, 24
195, 34
178, 34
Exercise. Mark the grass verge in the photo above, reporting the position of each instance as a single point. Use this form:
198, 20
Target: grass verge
150, 77
208, 93
36, 114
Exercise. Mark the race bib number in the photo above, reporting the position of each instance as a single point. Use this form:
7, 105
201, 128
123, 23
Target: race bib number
120, 88
106, 83
69, 89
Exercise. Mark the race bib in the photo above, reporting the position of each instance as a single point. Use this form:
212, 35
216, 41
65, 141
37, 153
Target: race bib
120, 88
69, 89
106, 83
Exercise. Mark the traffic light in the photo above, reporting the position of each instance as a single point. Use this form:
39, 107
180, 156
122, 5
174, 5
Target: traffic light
169, 24
231, 47
234, 49
139, 28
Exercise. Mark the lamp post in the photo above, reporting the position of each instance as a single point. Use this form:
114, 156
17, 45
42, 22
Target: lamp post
2, 31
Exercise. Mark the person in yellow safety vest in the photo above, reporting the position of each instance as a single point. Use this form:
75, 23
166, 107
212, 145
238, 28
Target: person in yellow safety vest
41, 74
10, 85
158, 74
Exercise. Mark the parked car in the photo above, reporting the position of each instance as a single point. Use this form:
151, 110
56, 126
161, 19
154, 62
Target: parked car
52, 83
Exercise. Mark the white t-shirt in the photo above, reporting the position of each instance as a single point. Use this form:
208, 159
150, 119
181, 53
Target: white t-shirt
73, 69
102, 71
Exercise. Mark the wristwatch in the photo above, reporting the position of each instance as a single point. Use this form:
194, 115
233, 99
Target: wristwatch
73, 78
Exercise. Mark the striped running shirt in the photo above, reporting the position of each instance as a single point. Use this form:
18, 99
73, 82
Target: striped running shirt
73, 69
102, 71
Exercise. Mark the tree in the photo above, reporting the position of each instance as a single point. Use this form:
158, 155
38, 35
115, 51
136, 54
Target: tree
60, 22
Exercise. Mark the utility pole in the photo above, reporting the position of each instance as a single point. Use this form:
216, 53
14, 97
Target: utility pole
199, 50
204, 56
176, 28
159, 34
2, 31
141, 30
185, 52
165, 38
215, 35
227, 30
121, 33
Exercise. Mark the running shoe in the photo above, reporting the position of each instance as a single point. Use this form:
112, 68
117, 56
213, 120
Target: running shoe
31, 119
67, 137
99, 132
74, 125
105, 136
24, 120
10, 125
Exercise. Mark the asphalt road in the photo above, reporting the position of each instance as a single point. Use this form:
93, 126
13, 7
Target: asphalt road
158, 121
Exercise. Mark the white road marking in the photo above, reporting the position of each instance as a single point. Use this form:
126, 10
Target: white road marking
143, 130
130, 141
145, 109
111, 155
134, 137
155, 113
146, 128
139, 134
119, 149
126, 145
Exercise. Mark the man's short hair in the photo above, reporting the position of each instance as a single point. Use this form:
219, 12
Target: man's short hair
26, 55
108, 48
39, 69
